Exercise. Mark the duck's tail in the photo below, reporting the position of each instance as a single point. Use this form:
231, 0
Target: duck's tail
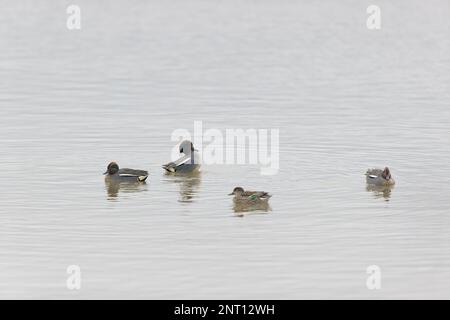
142, 178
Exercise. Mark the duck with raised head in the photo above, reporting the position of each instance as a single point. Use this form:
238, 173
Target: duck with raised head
115, 174
189, 162
380, 177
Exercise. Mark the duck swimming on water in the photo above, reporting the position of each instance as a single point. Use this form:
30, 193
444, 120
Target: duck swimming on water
115, 174
255, 196
380, 177
188, 163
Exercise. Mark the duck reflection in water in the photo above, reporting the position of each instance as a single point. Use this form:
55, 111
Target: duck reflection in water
242, 209
189, 184
380, 191
113, 188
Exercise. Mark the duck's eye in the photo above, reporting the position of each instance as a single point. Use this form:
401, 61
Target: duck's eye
181, 150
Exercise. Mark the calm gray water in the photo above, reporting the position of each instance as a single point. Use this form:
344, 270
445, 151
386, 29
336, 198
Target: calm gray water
344, 98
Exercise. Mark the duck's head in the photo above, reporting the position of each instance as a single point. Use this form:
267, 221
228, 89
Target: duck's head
187, 147
237, 191
386, 174
112, 168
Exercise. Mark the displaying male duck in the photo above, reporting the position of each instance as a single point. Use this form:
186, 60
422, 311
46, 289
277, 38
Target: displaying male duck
114, 173
380, 177
188, 163
249, 196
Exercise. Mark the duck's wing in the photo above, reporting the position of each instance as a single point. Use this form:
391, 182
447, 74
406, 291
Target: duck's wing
259, 194
133, 172
172, 166
264, 195
373, 173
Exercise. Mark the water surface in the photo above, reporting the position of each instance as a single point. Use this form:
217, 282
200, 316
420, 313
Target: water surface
343, 97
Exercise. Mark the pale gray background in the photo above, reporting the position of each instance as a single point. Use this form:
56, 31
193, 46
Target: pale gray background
344, 98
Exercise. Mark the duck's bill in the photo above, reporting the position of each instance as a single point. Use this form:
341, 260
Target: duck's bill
230, 194
105, 173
